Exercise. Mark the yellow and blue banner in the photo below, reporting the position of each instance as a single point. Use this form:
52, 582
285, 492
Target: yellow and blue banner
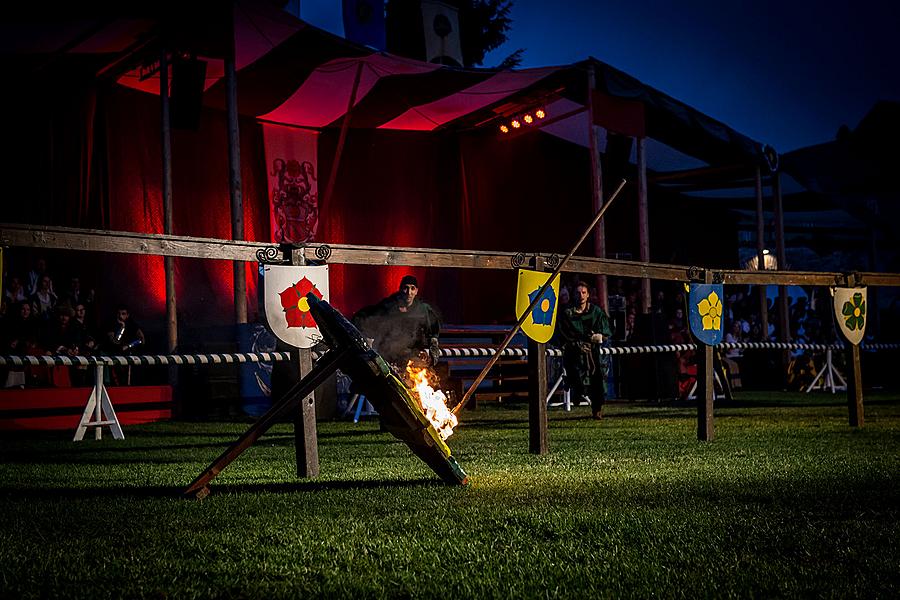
541, 323
705, 312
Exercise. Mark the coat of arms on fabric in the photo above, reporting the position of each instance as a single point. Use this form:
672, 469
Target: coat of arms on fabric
287, 310
705, 312
850, 311
540, 325
293, 186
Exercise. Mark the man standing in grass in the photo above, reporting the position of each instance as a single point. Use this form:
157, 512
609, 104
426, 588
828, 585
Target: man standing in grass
583, 328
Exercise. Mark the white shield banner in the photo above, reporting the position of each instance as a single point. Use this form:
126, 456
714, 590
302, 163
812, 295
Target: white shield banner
851, 313
287, 310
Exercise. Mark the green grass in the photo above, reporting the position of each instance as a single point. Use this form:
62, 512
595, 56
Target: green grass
786, 501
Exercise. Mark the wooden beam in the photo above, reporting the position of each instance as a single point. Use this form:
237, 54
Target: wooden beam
95, 240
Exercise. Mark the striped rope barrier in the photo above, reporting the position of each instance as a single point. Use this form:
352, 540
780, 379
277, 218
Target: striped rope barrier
474, 352
149, 360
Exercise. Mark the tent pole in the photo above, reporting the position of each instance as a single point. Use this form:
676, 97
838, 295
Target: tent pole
345, 125
597, 188
168, 261
784, 329
234, 170
643, 219
761, 257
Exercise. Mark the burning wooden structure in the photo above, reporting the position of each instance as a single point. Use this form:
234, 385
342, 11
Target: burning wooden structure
400, 411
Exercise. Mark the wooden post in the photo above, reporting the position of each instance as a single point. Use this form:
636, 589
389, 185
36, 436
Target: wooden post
306, 440
643, 219
854, 386
168, 261
761, 258
784, 331
234, 169
596, 188
706, 390
537, 389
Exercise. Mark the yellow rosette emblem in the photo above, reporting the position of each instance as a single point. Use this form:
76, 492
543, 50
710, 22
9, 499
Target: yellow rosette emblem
710, 308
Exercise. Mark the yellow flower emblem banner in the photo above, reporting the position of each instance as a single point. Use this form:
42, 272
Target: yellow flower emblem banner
705, 312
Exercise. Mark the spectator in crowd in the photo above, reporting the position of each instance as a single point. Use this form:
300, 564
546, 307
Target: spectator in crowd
15, 291
123, 337
33, 281
43, 301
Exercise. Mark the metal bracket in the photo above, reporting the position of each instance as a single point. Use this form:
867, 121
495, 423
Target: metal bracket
718, 277
271, 255
695, 274
517, 260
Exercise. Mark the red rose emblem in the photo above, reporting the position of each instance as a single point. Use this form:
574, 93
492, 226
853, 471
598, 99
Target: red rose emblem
295, 305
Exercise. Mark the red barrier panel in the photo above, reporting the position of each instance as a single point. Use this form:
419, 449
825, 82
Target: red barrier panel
61, 408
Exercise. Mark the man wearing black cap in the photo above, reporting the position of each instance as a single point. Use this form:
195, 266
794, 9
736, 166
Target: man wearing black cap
402, 326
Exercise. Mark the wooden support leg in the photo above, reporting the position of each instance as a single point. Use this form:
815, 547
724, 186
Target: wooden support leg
537, 397
327, 365
854, 387
99, 405
706, 393
305, 437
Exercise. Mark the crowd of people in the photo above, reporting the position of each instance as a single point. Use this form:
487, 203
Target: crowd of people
38, 316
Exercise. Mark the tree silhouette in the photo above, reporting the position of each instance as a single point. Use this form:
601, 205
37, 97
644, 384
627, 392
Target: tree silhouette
483, 26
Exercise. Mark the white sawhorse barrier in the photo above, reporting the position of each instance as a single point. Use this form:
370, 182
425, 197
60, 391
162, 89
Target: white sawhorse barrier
98, 406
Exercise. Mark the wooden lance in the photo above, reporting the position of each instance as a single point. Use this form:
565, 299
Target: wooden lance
534, 302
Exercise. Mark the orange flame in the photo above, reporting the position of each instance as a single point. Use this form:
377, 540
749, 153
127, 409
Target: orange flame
433, 402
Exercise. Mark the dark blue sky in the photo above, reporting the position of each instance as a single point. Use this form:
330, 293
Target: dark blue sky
786, 73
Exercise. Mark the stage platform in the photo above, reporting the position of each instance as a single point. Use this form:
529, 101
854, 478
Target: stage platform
48, 409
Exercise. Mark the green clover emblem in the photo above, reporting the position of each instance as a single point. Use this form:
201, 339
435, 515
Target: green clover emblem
855, 313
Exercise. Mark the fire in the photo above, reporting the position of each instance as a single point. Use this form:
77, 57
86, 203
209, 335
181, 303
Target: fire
433, 402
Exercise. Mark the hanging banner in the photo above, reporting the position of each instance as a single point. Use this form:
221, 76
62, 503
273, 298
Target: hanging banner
287, 310
705, 312
542, 322
293, 183
850, 311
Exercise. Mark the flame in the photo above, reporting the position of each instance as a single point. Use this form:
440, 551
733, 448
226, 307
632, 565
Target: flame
433, 402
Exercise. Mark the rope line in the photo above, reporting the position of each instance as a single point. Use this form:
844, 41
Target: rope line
257, 357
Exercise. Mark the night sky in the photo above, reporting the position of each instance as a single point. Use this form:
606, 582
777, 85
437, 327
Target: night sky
787, 73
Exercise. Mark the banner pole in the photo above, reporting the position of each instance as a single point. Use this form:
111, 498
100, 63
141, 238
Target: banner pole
534, 302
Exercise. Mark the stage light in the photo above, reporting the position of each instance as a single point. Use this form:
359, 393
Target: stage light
528, 119
515, 124
539, 113
504, 129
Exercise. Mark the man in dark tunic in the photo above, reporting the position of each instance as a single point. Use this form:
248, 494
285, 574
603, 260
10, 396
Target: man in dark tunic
583, 328
402, 326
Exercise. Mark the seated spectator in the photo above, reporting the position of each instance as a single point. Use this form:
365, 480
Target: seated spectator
15, 291
34, 276
731, 357
43, 301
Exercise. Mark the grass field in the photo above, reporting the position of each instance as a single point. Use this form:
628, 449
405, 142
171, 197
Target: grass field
787, 501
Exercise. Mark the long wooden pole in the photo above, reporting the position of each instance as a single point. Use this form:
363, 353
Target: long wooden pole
537, 298
234, 170
761, 258
643, 220
342, 138
597, 188
168, 261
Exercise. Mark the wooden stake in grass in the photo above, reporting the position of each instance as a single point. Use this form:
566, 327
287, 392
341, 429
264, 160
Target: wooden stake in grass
537, 298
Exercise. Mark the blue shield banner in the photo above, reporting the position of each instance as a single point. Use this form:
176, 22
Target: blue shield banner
705, 312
